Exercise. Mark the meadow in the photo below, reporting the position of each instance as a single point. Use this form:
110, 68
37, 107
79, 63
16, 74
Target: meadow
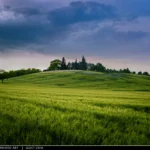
75, 108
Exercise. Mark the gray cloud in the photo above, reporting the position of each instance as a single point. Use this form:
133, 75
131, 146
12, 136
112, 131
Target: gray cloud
80, 12
31, 26
102, 39
16, 35
136, 7
23, 26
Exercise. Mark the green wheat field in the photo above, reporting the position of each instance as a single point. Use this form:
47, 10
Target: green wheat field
75, 108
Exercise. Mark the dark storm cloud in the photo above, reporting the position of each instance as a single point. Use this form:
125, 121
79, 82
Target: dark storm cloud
80, 12
23, 24
31, 26
20, 26
18, 34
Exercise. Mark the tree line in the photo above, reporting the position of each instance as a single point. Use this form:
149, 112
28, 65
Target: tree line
63, 65
83, 65
15, 73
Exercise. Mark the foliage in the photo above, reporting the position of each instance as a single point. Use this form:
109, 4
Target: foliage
75, 65
98, 67
83, 65
63, 64
3, 76
69, 66
146, 73
15, 73
55, 65
139, 73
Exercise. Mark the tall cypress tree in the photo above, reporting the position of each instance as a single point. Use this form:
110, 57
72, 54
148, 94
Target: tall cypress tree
83, 64
76, 65
63, 64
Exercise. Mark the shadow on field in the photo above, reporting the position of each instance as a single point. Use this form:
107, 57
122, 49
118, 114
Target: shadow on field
71, 129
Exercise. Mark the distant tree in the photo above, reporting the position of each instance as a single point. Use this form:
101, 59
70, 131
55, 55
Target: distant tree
63, 64
83, 64
146, 73
112, 70
6, 74
45, 70
55, 65
120, 70
108, 70
76, 65
34, 70
21, 72
29, 70
126, 70
90, 66
72, 66
100, 68
3, 76
133, 72
69, 66
12, 73
139, 73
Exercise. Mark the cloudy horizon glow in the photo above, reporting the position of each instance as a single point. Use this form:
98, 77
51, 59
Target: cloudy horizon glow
34, 32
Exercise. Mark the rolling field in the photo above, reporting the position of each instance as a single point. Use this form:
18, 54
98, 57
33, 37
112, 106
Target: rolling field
75, 108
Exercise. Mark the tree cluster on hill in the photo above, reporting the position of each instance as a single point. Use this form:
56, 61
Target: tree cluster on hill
14, 73
62, 65
83, 65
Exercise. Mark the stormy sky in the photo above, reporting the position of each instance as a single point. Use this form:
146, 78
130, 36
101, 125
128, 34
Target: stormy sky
113, 32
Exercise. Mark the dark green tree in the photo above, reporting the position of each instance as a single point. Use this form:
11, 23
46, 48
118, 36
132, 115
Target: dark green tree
126, 70
55, 65
3, 76
146, 73
99, 67
90, 66
134, 72
63, 64
139, 73
83, 64
76, 65
69, 66
120, 70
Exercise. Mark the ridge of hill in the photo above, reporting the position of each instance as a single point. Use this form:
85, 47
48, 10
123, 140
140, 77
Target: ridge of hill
85, 79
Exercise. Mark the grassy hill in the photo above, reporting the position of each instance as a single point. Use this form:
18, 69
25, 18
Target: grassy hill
85, 79
75, 108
